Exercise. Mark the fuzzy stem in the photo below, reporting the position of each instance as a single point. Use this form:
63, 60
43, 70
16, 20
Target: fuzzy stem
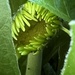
69, 67
34, 64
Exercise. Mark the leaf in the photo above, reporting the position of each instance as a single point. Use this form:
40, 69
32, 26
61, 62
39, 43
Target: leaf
62, 8
8, 59
69, 67
15, 5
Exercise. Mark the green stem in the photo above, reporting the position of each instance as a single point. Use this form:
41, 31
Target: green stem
65, 30
34, 64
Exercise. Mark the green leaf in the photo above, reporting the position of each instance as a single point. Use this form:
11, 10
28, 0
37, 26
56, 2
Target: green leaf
69, 67
8, 59
15, 5
62, 8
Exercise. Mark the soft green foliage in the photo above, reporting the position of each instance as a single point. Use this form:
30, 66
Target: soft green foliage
70, 57
8, 60
65, 9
